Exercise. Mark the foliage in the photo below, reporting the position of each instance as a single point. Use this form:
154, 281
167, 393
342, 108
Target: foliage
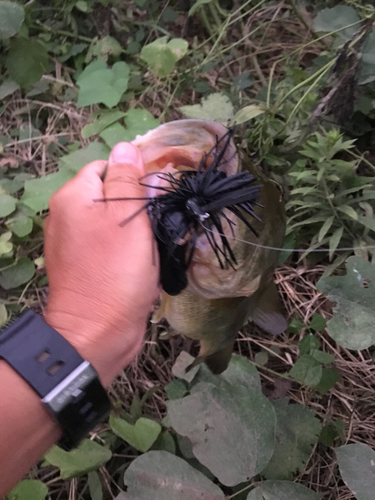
356, 462
352, 325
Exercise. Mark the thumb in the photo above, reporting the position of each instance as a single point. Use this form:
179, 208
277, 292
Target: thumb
125, 168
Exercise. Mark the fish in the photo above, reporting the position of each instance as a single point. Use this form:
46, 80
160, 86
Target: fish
216, 301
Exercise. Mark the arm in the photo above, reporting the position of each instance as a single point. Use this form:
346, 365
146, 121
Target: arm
102, 284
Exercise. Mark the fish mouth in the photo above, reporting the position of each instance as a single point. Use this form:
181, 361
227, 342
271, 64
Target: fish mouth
180, 145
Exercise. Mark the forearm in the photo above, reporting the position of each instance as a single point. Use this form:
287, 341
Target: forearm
27, 430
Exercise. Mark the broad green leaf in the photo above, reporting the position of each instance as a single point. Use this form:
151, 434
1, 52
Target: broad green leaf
161, 56
317, 323
38, 191
8, 87
159, 475
352, 325
29, 489
113, 134
322, 357
282, 490
95, 486
216, 107
17, 274
328, 20
297, 431
248, 113
12, 16
101, 121
26, 61
5, 244
176, 389
197, 5
184, 360
7, 204
367, 73
226, 421
335, 240
138, 122
325, 228
103, 48
357, 467
329, 378
87, 457
307, 370
165, 442
309, 344
75, 161
100, 84
141, 436
20, 224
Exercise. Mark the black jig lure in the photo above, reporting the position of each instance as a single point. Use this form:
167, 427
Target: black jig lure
194, 204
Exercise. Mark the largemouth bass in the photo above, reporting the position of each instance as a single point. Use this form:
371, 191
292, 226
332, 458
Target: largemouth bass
218, 301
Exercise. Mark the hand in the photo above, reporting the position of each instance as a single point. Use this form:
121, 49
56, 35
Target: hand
102, 277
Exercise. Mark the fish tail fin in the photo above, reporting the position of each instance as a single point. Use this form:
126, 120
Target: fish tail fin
217, 362
269, 312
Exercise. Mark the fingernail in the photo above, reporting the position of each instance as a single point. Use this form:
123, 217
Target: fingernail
124, 152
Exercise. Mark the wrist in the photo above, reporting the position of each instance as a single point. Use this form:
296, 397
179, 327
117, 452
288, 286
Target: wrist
108, 346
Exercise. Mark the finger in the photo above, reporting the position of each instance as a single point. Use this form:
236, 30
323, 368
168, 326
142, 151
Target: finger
82, 190
125, 168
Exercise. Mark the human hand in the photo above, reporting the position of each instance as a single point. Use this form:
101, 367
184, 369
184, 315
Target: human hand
103, 277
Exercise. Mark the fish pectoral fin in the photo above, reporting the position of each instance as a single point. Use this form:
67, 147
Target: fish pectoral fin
269, 312
217, 362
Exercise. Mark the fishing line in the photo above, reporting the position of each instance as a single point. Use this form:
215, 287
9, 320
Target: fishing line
298, 250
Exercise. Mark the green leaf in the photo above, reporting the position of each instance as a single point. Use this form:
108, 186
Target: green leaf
317, 323
159, 475
102, 120
325, 228
216, 107
184, 360
38, 191
87, 457
7, 204
95, 486
329, 378
309, 344
78, 159
165, 442
138, 122
113, 134
352, 325
357, 467
12, 16
8, 87
197, 5
103, 48
334, 19
282, 490
307, 370
230, 421
5, 244
26, 61
161, 56
29, 489
349, 211
248, 113
323, 357
335, 240
20, 224
141, 436
297, 431
18, 274
100, 84
176, 389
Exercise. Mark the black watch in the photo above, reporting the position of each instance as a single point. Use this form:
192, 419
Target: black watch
68, 385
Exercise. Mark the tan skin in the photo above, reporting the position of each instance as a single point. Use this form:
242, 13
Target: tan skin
103, 281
